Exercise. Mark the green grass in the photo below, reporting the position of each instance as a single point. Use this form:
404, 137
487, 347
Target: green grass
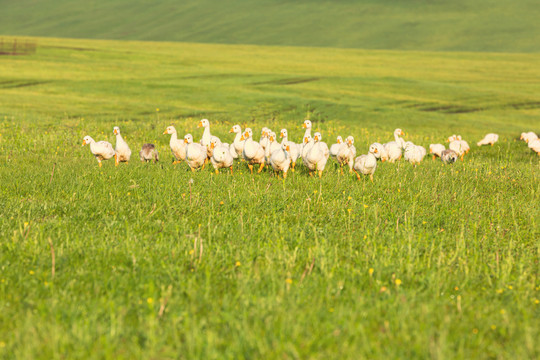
462, 239
459, 25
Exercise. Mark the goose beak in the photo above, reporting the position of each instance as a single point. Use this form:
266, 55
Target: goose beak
212, 146
305, 141
288, 148
115, 132
402, 133
304, 126
242, 138
375, 151
165, 132
232, 130
383, 159
281, 135
185, 141
200, 124
83, 142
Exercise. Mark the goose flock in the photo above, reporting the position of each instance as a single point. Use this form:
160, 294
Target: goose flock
283, 156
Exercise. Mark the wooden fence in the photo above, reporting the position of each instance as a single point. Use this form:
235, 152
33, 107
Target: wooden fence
17, 47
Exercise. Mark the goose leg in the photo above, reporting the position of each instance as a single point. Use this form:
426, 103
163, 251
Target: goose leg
115, 160
320, 174
250, 168
284, 175
292, 166
217, 172
231, 170
99, 163
260, 168
357, 175
433, 158
371, 177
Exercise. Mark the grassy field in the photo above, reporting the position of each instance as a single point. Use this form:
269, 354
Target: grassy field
434, 261
480, 25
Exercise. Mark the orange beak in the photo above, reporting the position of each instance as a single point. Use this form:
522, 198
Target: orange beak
304, 126
83, 142
281, 135
185, 141
288, 148
305, 140
383, 159
376, 151
212, 146
115, 132
242, 138
232, 130
402, 133
165, 132
200, 124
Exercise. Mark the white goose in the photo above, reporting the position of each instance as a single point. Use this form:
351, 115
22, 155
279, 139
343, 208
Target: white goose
221, 156
366, 164
394, 148
413, 153
306, 125
436, 150
318, 155
263, 141
196, 154
294, 149
457, 146
464, 144
534, 145
178, 147
334, 148
207, 137
281, 159
347, 154
253, 152
488, 139
307, 145
237, 146
102, 150
273, 145
381, 153
529, 136
123, 152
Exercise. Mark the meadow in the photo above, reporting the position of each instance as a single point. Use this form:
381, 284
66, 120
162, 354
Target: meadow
154, 261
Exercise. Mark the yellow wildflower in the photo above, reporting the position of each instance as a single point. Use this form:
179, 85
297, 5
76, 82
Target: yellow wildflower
237, 264
150, 300
398, 282
371, 271
31, 272
288, 281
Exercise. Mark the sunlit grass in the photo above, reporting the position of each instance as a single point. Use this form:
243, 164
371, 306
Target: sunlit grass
434, 261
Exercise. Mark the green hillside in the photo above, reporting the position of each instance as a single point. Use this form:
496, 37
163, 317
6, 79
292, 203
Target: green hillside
484, 25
